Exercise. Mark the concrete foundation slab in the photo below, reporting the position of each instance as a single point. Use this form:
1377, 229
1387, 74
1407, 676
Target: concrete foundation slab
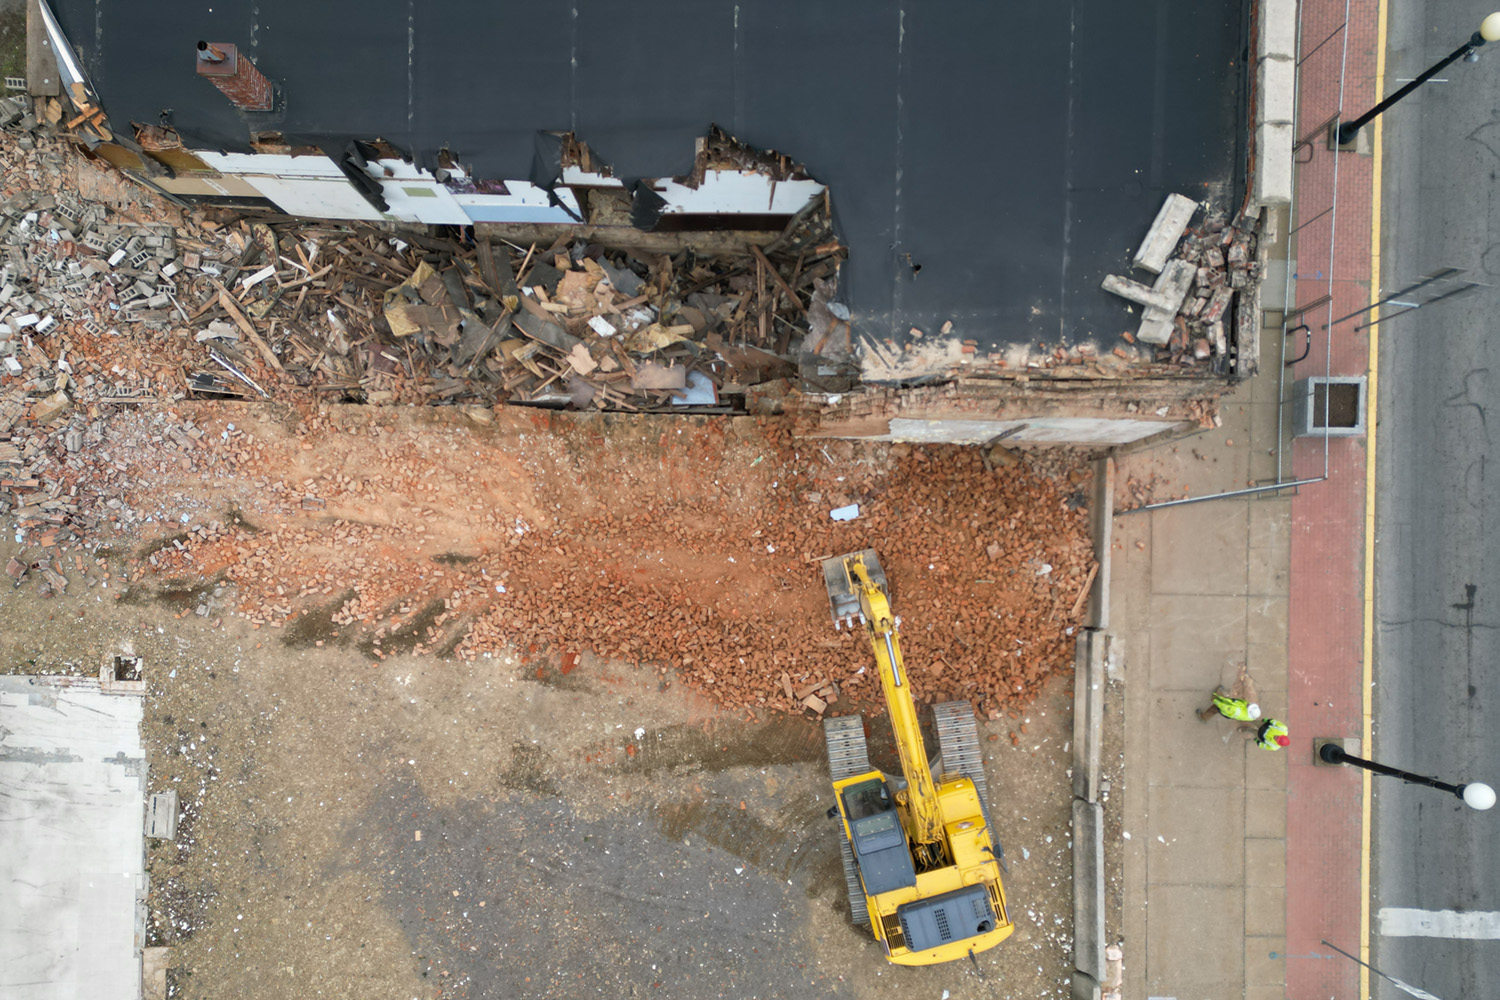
72, 797
1189, 925
1265, 911
1265, 862
1265, 960
1178, 566
1265, 813
1183, 745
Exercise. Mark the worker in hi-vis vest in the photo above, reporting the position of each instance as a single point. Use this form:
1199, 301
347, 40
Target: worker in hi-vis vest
1237, 709
1272, 735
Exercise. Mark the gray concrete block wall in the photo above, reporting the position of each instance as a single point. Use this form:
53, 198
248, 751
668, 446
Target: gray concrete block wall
1275, 102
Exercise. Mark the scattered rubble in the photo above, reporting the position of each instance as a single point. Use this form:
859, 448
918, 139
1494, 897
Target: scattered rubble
129, 343
101, 311
701, 562
1136, 492
1186, 309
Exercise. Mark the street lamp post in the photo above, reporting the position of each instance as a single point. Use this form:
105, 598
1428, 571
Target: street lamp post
1475, 794
1489, 31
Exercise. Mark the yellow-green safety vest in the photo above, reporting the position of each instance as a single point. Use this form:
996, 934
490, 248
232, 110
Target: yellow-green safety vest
1233, 708
1269, 730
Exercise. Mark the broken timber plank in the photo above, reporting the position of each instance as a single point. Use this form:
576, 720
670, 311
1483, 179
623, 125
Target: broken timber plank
500, 284
780, 281
233, 309
1161, 239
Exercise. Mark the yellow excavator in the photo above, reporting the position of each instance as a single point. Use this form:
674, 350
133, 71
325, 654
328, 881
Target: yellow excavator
921, 863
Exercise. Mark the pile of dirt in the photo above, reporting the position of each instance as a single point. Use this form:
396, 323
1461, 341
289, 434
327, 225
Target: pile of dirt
691, 547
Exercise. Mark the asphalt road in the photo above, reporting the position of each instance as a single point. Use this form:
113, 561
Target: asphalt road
1438, 552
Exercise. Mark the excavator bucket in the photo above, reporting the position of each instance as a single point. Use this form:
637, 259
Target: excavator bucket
843, 599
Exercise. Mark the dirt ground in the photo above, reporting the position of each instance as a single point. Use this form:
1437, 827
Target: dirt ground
424, 785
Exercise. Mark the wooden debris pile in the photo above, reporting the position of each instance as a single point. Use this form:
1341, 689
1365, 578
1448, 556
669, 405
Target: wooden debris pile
382, 318
255, 305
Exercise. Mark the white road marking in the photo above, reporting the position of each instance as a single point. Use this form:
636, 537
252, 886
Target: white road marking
1473, 925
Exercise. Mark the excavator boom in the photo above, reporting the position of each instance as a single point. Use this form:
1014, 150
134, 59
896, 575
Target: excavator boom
874, 609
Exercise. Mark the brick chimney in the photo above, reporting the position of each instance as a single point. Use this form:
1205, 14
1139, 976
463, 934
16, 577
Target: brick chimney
234, 75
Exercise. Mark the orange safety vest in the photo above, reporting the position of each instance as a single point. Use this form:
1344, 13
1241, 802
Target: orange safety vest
1265, 737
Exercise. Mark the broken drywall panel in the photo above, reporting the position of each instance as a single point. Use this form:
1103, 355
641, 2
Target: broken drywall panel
737, 192
888, 362
578, 177
273, 164
314, 197
423, 200
524, 202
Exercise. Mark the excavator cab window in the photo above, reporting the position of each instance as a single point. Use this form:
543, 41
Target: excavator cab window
866, 799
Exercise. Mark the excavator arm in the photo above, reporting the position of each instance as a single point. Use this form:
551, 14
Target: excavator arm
920, 795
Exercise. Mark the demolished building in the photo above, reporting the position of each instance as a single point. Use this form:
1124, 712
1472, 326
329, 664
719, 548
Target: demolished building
906, 216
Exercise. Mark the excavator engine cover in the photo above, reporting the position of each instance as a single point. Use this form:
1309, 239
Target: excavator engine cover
952, 916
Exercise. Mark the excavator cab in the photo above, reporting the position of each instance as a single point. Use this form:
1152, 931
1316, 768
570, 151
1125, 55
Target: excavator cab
876, 835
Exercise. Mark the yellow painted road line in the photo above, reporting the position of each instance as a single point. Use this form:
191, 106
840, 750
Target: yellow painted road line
1371, 397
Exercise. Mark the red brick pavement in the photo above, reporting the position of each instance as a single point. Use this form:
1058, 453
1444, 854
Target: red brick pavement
1328, 519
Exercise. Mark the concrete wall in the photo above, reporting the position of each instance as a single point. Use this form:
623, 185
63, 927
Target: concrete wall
1098, 413
1275, 98
73, 868
1096, 432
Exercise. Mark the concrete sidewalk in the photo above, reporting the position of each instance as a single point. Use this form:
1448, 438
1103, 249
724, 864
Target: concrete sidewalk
1241, 862
1196, 591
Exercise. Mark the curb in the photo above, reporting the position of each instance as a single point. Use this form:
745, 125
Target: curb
1088, 714
1089, 666
1101, 521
